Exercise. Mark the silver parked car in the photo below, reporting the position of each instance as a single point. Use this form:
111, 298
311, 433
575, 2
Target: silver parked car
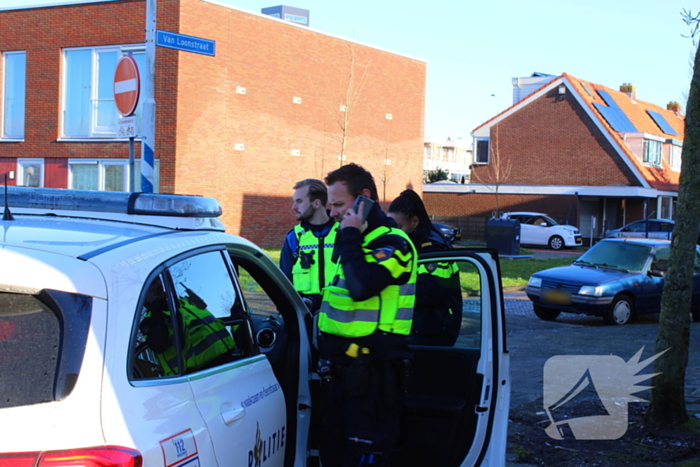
649, 228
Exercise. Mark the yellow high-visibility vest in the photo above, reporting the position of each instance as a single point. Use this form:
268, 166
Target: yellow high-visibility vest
390, 311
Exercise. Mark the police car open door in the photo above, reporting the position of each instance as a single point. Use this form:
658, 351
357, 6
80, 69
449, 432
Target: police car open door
456, 408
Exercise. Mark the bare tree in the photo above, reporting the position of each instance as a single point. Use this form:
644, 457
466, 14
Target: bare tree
667, 404
389, 160
342, 107
498, 170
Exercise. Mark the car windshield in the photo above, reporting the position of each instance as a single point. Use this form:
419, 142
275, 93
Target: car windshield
549, 220
616, 255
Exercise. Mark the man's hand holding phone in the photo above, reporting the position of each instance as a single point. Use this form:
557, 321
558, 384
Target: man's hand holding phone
356, 216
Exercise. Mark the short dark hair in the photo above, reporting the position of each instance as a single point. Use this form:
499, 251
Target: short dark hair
409, 204
317, 190
356, 179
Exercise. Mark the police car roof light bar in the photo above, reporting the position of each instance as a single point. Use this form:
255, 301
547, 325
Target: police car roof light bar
153, 204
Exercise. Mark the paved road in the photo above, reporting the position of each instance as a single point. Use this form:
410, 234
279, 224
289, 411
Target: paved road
532, 342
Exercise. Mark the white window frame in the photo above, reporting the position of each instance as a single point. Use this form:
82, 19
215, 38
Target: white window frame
95, 129
476, 151
652, 150
103, 163
101, 166
674, 156
18, 106
22, 162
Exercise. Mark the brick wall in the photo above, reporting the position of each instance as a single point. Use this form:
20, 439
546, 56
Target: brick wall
276, 62
482, 205
42, 33
200, 117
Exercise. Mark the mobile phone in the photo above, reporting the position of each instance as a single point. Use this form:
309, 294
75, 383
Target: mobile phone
367, 207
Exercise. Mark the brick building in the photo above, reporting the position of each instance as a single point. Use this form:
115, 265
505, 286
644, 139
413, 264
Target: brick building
277, 103
586, 154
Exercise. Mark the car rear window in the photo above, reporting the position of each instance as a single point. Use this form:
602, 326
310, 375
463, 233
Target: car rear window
42, 343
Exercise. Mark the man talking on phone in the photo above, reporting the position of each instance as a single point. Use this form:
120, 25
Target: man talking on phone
364, 321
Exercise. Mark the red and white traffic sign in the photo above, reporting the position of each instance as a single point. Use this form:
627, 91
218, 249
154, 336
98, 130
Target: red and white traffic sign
127, 85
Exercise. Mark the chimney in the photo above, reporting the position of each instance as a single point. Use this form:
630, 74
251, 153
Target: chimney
628, 89
674, 107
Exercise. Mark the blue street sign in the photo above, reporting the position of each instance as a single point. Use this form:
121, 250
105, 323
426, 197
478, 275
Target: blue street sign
173, 40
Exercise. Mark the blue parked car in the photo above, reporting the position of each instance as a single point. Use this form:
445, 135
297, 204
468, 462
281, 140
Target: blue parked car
616, 279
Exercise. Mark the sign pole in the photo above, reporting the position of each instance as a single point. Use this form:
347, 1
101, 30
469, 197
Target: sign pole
148, 140
132, 170
132, 175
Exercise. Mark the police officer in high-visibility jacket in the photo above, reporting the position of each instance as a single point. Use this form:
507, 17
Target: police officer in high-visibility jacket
204, 339
365, 318
437, 317
306, 257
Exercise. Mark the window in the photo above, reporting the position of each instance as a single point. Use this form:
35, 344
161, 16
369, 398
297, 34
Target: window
640, 226
295, 18
30, 172
212, 326
427, 152
447, 154
482, 151
666, 209
14, 67
106, 174
89, 110
44, 338
652, 152
448, 308
675, 156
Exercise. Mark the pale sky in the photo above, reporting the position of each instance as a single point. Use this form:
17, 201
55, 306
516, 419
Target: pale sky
474, 48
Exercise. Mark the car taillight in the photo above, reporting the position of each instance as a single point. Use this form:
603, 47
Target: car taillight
102, 456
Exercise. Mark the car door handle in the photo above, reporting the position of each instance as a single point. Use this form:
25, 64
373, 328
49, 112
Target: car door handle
231, 415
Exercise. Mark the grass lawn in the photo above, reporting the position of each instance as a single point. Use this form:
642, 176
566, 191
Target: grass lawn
513, 272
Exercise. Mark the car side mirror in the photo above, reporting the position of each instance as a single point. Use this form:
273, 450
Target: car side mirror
656, 273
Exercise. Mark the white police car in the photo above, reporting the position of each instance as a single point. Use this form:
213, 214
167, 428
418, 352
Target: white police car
134, 331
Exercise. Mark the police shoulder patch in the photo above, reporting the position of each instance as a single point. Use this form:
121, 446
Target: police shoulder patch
382, 254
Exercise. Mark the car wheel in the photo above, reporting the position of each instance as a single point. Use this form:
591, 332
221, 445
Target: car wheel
544, 313
556, 243
621, 310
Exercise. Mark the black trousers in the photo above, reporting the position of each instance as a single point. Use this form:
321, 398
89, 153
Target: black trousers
361, 415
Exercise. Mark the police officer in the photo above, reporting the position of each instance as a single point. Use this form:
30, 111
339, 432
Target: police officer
364, 320
437, 317
306, 256
204, 339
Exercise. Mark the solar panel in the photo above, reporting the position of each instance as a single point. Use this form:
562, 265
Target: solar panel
661, 123
607, 98
616, 118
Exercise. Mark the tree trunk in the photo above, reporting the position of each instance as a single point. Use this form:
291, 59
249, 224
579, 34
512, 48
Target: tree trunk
667, 405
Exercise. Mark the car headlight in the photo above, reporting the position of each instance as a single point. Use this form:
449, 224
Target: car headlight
593, 290
534, 282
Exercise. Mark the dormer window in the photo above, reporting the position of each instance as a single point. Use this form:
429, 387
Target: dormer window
652, 152
674, 156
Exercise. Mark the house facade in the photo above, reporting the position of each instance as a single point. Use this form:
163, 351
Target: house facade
277, 103
586, 154
453, 156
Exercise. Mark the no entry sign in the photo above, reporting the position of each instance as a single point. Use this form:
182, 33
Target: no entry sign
127, 85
